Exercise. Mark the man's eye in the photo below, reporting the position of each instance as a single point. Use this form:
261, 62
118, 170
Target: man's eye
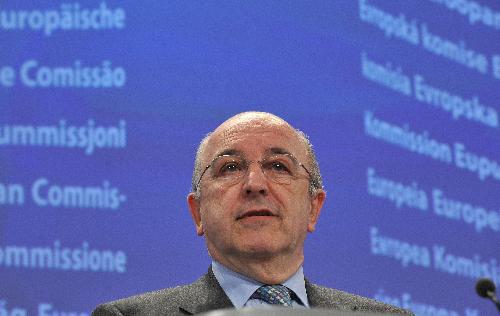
278, 166
229, 167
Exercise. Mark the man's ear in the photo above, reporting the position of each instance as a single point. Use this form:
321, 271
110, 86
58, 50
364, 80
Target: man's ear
194, 209
316, 204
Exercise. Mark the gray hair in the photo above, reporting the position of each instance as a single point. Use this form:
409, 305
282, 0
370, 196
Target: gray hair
315, 183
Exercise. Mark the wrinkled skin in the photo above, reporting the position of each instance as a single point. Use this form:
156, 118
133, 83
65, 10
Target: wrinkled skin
256, 227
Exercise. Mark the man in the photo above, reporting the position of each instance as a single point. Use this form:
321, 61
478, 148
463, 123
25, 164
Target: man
257, 192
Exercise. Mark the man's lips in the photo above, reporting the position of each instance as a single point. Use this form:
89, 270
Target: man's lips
253, 213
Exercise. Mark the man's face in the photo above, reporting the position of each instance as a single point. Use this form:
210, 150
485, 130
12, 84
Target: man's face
255, 217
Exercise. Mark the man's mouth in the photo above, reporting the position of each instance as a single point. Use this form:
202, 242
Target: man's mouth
255, 213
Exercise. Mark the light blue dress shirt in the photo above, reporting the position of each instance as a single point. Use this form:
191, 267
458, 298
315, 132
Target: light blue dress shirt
239, 288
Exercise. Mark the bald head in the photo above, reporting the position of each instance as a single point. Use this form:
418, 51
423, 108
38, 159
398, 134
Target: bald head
232, 126
244, 119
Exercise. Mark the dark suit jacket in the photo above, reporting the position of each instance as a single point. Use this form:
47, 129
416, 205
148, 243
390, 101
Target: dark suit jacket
206, 294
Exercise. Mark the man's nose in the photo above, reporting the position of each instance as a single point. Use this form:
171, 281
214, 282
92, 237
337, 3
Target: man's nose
255, 181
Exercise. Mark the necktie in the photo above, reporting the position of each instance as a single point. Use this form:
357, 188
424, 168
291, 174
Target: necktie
274, 294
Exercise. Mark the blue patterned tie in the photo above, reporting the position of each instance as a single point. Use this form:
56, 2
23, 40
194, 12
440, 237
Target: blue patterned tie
274, 294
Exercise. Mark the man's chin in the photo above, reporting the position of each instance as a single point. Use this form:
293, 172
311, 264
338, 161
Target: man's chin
261, 249
258, 222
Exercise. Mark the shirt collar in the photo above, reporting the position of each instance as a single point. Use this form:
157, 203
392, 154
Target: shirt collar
239, 288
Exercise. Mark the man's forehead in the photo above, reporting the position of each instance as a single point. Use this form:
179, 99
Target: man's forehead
257, 130
249, 120
231, 151
267, 131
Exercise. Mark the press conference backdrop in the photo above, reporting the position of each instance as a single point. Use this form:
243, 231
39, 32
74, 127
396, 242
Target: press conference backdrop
103, 103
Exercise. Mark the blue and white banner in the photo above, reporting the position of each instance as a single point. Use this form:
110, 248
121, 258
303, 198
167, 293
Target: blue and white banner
103, 103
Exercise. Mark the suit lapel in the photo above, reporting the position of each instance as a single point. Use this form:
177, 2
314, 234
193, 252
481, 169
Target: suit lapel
317, 299
313, 296
204, 295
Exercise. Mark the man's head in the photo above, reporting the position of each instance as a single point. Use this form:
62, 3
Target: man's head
257, 191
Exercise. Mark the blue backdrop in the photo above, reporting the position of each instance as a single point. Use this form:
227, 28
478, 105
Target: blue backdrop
103, 103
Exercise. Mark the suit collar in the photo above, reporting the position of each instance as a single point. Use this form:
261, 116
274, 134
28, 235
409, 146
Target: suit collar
312, 295
239, 288
317, 298
204, 295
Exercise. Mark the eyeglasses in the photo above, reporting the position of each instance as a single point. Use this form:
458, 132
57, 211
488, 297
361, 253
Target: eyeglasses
230, 169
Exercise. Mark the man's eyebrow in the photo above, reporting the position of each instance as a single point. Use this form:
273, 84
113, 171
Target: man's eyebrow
278, 151
236, 152
229, 152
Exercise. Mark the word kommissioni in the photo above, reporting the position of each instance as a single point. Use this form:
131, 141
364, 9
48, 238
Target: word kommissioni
88, 137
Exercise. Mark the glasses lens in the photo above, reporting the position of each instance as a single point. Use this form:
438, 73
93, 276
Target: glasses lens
280, 168
228, 168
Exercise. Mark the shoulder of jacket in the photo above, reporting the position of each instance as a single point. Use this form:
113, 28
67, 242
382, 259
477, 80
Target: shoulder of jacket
325, 297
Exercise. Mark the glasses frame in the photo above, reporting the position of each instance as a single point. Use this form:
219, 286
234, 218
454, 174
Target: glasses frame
249, 162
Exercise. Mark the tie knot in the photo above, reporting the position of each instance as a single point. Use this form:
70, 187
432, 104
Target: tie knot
274, 294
